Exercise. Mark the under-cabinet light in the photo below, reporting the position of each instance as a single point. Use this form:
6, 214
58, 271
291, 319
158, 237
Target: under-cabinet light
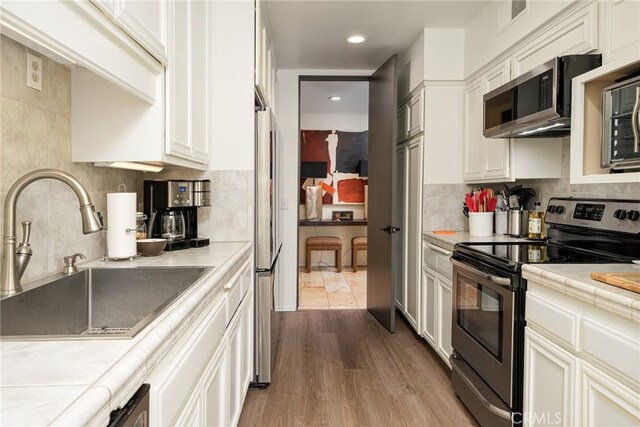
144, 167
55, 52
335, 98
540, 129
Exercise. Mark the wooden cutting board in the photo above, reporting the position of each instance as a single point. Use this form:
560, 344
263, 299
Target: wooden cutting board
629, 281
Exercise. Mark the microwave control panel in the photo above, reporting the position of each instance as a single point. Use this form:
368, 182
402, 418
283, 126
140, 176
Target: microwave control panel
621, 216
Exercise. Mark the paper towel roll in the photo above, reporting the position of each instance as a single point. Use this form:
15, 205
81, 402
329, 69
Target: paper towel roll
121, 215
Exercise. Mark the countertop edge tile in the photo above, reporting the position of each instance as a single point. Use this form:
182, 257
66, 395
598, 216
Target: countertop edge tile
578, 284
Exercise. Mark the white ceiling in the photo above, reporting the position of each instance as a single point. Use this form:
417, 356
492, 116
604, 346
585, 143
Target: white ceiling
314, 97
311, 34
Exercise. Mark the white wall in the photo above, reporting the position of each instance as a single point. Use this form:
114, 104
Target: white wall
232, 124
287, 118
343, 122
485, 39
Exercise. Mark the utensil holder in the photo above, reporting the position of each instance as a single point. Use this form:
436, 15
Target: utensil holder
481, 224
518, 223
501, 221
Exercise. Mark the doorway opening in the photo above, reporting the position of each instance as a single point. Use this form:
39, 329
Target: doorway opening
333, 192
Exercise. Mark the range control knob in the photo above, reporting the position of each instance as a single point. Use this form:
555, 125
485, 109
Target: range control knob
633, 215
560, 210
551, 208
620, 214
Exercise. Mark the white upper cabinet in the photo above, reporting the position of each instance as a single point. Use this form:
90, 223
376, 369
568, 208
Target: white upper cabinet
496, 151
620, 28
144, 20
575, 34
187, 82
484, 159
473, 139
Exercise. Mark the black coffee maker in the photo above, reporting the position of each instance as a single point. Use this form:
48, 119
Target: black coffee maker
171, 207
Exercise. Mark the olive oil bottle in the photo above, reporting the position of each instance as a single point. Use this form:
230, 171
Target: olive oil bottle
536, 222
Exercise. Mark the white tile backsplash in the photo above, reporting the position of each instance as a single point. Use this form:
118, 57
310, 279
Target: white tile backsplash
36, 133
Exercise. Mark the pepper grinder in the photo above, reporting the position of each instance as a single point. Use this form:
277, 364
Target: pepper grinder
24, 251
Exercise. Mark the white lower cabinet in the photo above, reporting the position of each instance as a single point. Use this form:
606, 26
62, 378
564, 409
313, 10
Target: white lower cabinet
605, 401
203, 379
429, 306
215, 383
550, 374
580, 369
436, 307
443, 290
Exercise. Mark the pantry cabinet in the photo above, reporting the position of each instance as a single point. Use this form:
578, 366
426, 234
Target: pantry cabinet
571, 375
409, 172
436, 292
409, 161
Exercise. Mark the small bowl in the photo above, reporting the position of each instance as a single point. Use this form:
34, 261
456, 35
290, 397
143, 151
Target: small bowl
151, 247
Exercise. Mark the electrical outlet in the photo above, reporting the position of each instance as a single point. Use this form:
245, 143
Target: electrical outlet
34, 72
284, 204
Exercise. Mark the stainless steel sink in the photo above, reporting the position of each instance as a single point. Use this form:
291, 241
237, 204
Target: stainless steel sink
95, 303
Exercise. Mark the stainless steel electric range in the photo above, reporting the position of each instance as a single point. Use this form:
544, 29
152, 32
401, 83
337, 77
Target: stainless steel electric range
489, 297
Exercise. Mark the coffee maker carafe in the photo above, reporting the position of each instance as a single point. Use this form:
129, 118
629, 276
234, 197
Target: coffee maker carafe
172, 210
173, 225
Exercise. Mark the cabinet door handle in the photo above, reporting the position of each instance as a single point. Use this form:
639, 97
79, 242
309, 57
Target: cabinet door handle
635, 122
439, 249
228, 286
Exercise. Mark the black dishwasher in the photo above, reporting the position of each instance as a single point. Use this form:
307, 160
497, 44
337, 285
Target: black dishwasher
135, 413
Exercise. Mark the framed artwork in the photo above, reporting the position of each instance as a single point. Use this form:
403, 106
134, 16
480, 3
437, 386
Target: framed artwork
343, 153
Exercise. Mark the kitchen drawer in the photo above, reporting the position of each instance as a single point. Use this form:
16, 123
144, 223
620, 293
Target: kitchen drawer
186, 369
437, 259
233, 294
557, 320
618, 351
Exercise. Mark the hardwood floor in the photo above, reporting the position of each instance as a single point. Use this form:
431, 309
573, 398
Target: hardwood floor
341, 368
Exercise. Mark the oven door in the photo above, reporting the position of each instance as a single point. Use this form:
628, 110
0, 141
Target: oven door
483, 325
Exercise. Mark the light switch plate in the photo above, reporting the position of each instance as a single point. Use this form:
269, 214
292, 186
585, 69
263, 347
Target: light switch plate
34, 71
284, 204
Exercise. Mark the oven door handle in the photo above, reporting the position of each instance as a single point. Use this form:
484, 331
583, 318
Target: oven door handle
490, 406
498, 280
635, 122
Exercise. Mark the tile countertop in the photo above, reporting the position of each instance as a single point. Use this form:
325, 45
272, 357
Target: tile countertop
447, 241
79, 382
575, 280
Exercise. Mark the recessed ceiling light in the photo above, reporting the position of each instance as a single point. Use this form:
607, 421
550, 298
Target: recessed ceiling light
335, 98
356, 38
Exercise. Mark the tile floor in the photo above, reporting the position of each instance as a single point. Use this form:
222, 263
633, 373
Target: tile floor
325, 289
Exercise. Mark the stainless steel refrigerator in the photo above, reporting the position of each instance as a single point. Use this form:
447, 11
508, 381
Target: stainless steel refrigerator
267, 247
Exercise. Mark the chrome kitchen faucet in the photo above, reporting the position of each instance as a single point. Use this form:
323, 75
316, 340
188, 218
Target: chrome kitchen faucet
14, 263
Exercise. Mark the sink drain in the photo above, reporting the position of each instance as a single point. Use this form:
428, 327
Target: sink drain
106, 331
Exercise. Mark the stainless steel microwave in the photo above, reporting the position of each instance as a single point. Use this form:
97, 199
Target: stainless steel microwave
621, 125
538, 103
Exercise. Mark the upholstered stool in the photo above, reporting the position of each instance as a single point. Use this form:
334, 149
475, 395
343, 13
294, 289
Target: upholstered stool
357, 244
324, 243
